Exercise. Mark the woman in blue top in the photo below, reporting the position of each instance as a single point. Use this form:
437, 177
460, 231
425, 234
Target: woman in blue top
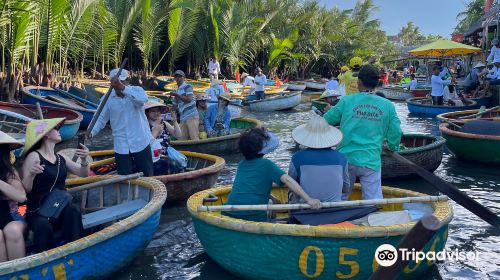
255, 176
218, 117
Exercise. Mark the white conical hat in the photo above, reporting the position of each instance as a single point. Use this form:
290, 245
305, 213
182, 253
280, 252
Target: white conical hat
317, 133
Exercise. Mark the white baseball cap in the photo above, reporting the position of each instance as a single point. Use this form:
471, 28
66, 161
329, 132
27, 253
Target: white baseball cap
123, 75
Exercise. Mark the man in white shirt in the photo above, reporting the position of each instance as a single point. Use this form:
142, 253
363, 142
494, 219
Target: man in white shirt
213, 68
260, 82
332, 84
495, 51
131, 134
248, 81
438, 85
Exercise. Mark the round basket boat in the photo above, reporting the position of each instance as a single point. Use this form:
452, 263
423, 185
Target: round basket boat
395, 92
425, 150
201, 173
277, 103
455, 116
219, 145
474, 147
128, 212
423, 106
260, 250
296, 86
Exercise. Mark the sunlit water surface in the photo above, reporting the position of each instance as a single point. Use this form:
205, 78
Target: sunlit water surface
176, 253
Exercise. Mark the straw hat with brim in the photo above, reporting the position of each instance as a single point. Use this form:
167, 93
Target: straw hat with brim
271, 144
330, 93
225, 96
244, 75
479, 65
6, 139
179, 73
317, 134
154, 104
37, 129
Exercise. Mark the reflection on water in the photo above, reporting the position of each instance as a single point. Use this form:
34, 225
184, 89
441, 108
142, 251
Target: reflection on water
176, 253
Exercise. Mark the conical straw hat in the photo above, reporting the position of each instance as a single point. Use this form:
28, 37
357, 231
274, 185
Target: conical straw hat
37, 129
9, 140
152, 104
317, 133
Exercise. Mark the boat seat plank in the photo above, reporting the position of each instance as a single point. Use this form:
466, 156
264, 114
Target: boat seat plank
64, 101
112, 213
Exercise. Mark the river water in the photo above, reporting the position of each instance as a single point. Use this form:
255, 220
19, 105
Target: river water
176, 253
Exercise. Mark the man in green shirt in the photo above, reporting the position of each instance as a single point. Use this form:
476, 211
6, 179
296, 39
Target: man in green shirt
366, 120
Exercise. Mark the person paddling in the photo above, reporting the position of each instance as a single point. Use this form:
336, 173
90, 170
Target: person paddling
131, 135
366, 120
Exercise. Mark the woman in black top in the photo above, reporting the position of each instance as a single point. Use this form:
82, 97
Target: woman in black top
43, 170
11, 192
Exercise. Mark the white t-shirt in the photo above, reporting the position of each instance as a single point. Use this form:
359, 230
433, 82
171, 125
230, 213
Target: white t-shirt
438, 85
494, 54
262, 79
213, 67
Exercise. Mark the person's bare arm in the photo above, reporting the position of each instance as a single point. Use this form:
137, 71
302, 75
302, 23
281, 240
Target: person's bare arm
296, 188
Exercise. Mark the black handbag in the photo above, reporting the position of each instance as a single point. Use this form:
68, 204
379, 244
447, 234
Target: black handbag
55, 201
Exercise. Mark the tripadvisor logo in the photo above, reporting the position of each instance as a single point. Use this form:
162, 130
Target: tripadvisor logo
387, 255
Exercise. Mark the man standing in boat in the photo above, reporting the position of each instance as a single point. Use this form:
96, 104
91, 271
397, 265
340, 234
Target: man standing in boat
260, 83
366, 120
131, 134
186, 103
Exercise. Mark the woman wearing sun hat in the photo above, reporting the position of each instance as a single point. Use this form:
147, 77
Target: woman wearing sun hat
218, 117
162, 132
255, 175
45, 170
321, 170
11, 192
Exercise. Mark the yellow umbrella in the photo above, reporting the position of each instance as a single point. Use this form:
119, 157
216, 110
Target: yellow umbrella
444, 48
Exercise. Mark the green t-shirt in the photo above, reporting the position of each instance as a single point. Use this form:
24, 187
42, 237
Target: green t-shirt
252, 185
366, 121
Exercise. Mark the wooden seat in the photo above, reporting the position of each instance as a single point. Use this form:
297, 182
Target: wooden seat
112, 213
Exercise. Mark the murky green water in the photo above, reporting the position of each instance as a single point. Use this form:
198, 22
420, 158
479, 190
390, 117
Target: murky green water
176, 253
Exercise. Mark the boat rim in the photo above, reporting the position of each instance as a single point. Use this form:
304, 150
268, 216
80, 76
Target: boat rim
413, 101
78, 119
446, 116
442, 210
285, 95
154, 205
26, 90
438, 141
445, 130
217, 166
256, 122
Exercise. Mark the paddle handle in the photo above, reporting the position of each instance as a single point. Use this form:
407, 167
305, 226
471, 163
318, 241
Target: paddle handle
104, 100
112, 180
451, 123
479, 114
39, 111
451, 191
416, 239
352, 203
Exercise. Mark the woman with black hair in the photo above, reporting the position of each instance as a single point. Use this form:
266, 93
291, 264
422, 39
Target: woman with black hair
45, 171
11, 192
255, 176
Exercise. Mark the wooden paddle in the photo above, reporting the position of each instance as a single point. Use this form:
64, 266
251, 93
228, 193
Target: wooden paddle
109, 181
451, 191
98, 111
39, 111
479, 114
416, 239
104, 100
350, 203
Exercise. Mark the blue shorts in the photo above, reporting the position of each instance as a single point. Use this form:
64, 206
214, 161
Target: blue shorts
260, 95
17, 217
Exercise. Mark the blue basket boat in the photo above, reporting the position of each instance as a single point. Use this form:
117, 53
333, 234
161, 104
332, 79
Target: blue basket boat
29, 112
261, 250
54, 98
106, 251
423, 106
